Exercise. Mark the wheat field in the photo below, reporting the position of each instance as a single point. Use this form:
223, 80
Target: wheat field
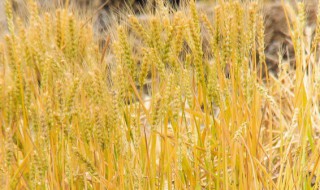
172, 99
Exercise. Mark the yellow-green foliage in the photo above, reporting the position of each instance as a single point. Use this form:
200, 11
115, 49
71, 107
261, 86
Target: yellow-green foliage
72, 119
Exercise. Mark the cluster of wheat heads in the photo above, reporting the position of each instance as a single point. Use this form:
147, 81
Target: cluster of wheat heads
74, 116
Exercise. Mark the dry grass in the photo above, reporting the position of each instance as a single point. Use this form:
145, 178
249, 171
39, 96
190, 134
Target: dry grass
75, 116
